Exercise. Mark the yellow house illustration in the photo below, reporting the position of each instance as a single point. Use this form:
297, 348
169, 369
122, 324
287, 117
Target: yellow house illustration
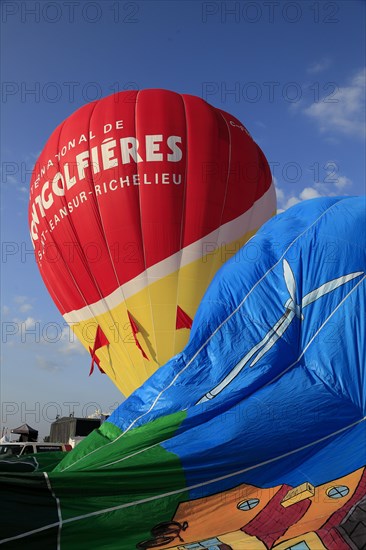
331, 516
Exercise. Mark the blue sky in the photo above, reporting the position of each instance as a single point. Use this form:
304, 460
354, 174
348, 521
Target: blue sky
292, 72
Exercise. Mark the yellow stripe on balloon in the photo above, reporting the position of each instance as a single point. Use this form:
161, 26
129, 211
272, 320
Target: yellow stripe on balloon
122, 360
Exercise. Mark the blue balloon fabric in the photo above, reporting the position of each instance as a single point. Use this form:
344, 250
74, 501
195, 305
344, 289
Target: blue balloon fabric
266, 446
273, 376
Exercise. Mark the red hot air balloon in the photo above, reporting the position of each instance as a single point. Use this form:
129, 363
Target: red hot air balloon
136, 201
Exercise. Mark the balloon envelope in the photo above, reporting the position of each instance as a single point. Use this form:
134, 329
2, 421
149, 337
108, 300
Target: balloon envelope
136, 200
253, 437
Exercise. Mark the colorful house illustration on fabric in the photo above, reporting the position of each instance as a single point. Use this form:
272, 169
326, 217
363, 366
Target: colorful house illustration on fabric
331, 516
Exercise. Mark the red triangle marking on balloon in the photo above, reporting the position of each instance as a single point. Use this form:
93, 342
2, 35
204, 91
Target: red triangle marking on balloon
183, 319
100, 341
135, 330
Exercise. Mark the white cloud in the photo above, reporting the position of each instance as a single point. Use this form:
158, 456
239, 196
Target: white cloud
23, 302
305, 194
18, 299
24, 308
29, 322
285, 201
279, 192
69, 344
319, 66
46, 364
342, 182
57, 338
309, 193
333, 185
343, 111
291, 202
5, 310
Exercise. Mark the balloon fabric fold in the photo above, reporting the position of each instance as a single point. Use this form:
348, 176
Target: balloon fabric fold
253, 437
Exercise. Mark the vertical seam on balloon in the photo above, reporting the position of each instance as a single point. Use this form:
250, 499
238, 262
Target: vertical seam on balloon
102, 231
58, 505
224, 201
209, 338
252, 209
94, 198
64, 203
183, 225
82, 256
75, 235
145, 273
85, 263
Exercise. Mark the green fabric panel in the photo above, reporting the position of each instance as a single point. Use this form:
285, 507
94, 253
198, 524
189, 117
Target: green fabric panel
95, 440
48, 461
113, 445
27, 504
139, 476
101, 481
40, 462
